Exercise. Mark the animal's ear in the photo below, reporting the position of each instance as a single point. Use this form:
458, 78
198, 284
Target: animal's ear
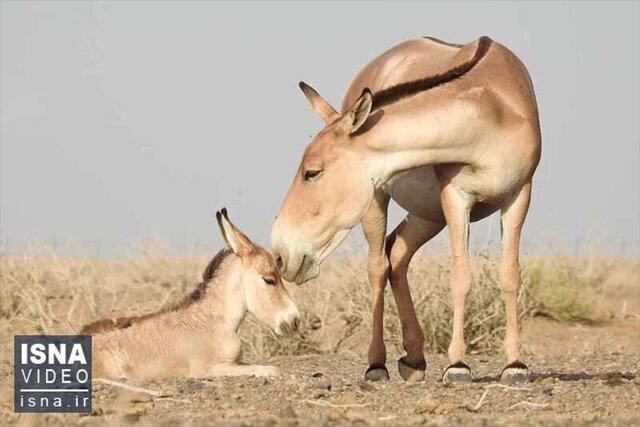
237, 242
358, 114
319, 105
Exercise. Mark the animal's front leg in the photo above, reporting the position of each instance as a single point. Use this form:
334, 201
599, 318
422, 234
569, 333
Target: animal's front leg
233, 369
402, 244
374, 225
457, 207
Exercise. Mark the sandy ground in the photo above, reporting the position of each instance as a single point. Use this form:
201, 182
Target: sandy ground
591, 382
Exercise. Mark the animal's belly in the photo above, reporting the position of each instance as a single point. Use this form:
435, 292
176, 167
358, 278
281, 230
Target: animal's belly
486, 184
418, 192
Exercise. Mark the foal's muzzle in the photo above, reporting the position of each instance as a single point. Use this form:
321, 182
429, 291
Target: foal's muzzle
288, 323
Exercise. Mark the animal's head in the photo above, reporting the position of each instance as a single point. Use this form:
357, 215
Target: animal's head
263, 292
330, 192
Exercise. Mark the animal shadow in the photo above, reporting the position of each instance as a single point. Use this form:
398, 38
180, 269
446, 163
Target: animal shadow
610, 378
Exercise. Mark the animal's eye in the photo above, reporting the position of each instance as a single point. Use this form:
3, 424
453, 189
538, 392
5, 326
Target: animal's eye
269, 280
310, 174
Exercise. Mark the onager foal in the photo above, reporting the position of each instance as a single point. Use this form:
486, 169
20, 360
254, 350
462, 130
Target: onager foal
197, 337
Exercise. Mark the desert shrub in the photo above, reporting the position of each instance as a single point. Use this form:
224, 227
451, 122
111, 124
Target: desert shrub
46, 294
562, 288
337, 305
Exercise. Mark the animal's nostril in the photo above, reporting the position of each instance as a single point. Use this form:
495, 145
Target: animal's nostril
279, 262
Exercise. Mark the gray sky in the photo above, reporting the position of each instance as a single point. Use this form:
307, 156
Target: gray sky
129, 121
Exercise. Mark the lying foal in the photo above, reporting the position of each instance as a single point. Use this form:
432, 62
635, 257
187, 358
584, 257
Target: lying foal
198, 336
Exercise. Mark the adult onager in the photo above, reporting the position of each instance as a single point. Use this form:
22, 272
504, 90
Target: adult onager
451, 133
197, 337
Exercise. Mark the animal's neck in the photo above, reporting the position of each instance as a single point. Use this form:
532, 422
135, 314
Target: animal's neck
222, 307
404, 139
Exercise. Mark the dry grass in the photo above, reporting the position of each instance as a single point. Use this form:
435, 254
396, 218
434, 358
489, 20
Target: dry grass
42, 293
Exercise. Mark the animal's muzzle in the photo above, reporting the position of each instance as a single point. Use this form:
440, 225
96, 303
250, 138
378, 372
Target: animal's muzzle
289, 326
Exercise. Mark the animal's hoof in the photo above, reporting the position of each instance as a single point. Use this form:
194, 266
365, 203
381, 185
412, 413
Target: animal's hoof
515, 372
411, 371
376, 373
458, 372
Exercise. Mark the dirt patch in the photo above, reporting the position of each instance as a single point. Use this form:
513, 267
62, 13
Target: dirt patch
320, 390
583, 373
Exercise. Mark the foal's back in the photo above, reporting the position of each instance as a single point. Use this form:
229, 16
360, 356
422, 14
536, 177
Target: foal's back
161, 343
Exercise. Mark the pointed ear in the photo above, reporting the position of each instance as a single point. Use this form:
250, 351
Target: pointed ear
319, 105
358, 114
235, 240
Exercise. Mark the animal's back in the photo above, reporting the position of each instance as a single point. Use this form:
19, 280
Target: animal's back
499, 83
149, 348
407, 61
498, 69
165, 344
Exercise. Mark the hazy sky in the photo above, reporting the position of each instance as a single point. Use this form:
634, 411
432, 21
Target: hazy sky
128, 121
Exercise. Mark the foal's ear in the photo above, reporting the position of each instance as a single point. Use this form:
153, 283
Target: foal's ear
358, 114
319, 105
237, 242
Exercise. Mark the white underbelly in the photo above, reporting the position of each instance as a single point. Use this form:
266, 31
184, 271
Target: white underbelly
418, 192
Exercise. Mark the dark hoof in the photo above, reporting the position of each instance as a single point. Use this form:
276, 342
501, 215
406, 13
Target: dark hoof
376, 373
458, 372
411, 371
516, 372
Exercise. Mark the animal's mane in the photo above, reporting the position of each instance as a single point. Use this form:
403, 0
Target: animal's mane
402, 90
213, 268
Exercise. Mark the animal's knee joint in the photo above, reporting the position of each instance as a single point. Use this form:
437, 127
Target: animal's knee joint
378, 267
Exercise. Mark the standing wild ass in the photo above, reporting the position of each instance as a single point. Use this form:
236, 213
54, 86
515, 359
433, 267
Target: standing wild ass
451, 133
198, 336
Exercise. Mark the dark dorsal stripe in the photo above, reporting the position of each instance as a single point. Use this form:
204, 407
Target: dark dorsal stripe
433, 39
105, 325
403, 90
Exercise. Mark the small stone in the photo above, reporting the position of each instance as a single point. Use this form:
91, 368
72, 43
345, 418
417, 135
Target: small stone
548, 380
549, 391
366, 386
287, 412
426, 405
319, 394
614, 380
445, 408
335, 415
135, 397
323, 385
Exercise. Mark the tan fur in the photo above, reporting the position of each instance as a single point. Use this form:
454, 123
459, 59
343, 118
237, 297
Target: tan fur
198, 336
453, 135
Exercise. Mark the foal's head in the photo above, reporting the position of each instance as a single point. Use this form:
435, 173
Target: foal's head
263, 291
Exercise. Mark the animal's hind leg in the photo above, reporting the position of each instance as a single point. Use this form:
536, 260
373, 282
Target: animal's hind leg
457, 207
402, 244
513, 216
374, 225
